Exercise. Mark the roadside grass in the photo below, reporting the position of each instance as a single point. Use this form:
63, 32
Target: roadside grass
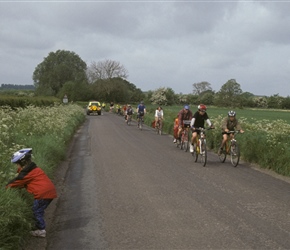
47, 130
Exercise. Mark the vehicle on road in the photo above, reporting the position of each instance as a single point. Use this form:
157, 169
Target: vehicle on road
94, 107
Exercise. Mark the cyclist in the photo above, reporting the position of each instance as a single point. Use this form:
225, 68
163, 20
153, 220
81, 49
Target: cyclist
159, 115
129, 111
230, 123
125, 111
111, 106
141, 111
197, 121
184, 114
118, 109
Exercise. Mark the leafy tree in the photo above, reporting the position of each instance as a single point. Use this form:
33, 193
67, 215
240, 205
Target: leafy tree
163, 96
260, 101
286, 103
159, 96
170, 96
75, 91
116, 90
107, 69
56, 69
200, 87
182, 98
275, 101
229, 95
193, 99
247, 99
207, 97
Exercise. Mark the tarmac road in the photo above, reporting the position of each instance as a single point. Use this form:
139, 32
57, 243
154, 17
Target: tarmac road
131, 189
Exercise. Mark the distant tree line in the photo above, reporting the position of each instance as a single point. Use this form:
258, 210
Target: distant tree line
16, 86
230, 95
65, 73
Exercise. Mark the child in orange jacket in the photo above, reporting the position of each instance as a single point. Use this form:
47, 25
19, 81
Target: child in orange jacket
37, 183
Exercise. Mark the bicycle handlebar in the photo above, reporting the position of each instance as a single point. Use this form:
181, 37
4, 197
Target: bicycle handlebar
233, 132
202, 129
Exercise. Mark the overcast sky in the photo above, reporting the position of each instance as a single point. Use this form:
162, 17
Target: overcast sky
161, 43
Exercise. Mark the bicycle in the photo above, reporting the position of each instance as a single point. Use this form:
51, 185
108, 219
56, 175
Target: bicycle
184, 139
129, 119
200, 148
140, 121
158, 126
231, 148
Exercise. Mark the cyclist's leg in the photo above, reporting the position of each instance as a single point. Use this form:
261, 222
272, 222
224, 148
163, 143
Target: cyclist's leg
224, 141
192, 142
179, 133
156, 122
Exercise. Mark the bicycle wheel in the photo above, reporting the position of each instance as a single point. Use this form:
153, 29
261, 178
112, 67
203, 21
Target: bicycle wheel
223, 155
185, 142
157, 130
182, 144
235, 154
203, 153
185, 145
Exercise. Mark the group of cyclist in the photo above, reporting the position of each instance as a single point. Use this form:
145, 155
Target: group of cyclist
141, 111
198, 119
128, 111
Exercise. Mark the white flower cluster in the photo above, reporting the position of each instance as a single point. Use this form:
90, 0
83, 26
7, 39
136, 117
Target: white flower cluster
31, 121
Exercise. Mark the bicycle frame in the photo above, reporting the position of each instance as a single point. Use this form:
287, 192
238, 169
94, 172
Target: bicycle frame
158, 126
231, 148
129, 119
184, 144
140, 122
201, 148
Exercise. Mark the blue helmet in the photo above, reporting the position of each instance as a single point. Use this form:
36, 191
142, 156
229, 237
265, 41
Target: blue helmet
21, 155
186, 107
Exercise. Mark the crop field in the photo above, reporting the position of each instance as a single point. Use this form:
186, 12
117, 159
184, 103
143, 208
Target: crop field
214, 112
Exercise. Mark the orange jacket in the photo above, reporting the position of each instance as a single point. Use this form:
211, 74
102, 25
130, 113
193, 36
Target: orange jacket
35, 181
176, 122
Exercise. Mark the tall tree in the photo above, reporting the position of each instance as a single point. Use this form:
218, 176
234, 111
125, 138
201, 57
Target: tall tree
106, 69
56, 69
200, 87
229, 94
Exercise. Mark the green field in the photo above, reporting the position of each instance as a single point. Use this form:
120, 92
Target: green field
213, 112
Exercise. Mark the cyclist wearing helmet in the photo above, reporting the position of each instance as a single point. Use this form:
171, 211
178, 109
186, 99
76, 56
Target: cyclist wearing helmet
197, 121
129, 110
141, 111
230, 123
184, 114
37, 183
